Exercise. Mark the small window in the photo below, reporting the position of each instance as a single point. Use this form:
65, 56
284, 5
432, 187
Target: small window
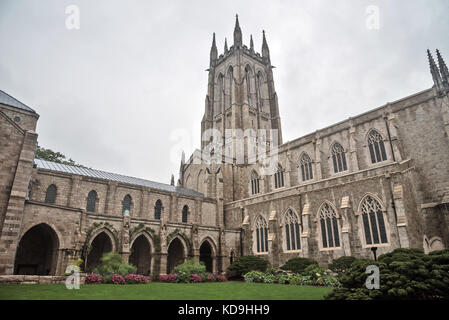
255, 188
306, 167
329, 227
279, 177
373, 221
261, 238
126, 204
338, 158
50, 195
292, 231
376, 147
158, 210
91, 201
185, 212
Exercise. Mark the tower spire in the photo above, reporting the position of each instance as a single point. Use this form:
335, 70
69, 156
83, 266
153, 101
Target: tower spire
237, 33
435, 73
265, 50
443, 70
213, 50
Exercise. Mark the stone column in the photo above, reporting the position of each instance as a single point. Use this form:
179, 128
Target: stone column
74, 191
247, 245
306, 211
163, 253
144, 210
125, 249
273, 239
318, 171
110, 197
345, 225
391, 123
195, 244
401, 216
353, 149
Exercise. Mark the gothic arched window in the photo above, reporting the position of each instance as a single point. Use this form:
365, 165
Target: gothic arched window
185, 212
306, 167
158, 210
248, 78
373, 221
261, 229
376, 147
338, 158
230, 85
126, 205
292, 231
50, 195
91, 201
254, 183
329, 226
260, 89
279, 177
220, 91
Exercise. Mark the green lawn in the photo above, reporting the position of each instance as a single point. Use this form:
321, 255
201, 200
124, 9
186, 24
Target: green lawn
165, 291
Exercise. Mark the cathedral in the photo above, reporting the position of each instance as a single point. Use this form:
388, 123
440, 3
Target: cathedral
368, 184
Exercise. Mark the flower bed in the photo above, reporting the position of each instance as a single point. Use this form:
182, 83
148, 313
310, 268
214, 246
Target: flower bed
193, 278
312, 276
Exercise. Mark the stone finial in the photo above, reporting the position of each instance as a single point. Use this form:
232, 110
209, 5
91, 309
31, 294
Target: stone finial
172, 180
435, 72
226, 46
265, 50
443, 70
213, 49
251, 44
237, 33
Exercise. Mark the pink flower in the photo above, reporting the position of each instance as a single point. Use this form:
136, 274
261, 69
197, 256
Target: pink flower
117, 279
93, 278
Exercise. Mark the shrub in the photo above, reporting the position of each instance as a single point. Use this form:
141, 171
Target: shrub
189, 267
93, 278
194, 278
221, 278
245, 264
135, 278
269, 278
406, 274
298, 265
117, 279
341, 264
209, 277
172, 277
283, 279
254, 276
112, 263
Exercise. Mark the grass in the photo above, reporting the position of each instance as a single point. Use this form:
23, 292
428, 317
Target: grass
164, 291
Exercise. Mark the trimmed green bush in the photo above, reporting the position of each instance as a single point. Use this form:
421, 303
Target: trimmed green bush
406, 274
245, 264
254, 276
112, 263
298, 265
189, 267
341, 264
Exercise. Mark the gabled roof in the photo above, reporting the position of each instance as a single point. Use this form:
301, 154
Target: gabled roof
85, 172
13, 102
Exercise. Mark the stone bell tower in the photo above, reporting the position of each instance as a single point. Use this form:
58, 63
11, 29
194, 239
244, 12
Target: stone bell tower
240, 95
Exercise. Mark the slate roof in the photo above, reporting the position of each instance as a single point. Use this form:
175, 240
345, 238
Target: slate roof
13, 102
53, 166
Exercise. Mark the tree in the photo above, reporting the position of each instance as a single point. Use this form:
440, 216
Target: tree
58, 157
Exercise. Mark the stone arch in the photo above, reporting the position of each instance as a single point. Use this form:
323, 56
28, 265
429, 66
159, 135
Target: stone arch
436, 243
372, 195
177, 252
37, 252
369, 232
101, 242
208, 254
200, 183
142, 253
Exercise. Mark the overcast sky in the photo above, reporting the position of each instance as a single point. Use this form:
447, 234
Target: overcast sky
117, 94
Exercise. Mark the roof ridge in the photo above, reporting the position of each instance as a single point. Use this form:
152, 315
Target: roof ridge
105, 175
18, 101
